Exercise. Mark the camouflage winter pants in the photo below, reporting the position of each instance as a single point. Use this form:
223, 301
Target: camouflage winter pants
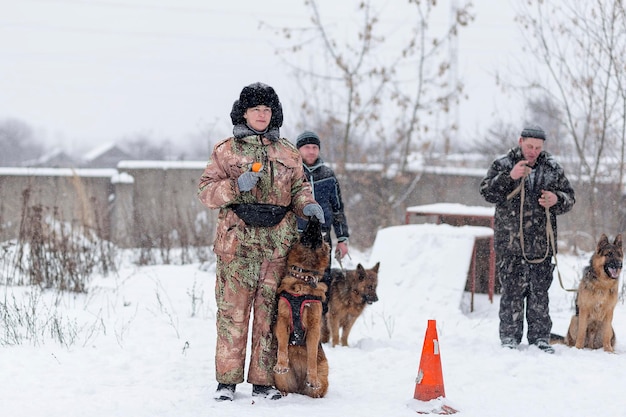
243, 285
524, 283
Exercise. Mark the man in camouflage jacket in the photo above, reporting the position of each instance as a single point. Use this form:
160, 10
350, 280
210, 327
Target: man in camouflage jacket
251, 259
525, 273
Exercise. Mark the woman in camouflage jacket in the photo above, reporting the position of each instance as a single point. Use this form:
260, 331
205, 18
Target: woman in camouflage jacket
258, 204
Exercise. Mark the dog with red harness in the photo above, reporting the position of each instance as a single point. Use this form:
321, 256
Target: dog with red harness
301, 365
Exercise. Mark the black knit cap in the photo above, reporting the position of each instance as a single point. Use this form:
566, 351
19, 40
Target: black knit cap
253, 95
307, 137
533, 131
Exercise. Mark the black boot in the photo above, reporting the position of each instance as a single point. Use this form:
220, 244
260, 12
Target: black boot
225, 392
266, 391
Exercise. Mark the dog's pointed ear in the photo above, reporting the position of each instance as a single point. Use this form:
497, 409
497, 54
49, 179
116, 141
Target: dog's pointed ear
361, 273
604, 240
618, 240
375, 269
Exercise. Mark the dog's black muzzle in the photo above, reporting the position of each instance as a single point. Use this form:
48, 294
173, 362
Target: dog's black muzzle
613, 268
369, 299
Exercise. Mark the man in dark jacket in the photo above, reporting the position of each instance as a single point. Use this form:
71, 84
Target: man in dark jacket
326, 192
527, 179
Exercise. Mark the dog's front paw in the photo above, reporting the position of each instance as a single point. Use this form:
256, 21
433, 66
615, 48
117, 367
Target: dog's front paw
313, 383
280, 369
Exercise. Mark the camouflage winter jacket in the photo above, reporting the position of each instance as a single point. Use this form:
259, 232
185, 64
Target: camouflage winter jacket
497, 185
283, 184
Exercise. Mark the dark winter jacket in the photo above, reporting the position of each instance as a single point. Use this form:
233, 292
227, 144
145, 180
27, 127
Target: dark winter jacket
497, 185
327, 193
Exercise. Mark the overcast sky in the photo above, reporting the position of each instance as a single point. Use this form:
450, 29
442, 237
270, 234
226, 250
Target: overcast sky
86, 72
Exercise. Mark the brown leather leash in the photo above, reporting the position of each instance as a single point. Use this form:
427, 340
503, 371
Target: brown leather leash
549, 233
338, 258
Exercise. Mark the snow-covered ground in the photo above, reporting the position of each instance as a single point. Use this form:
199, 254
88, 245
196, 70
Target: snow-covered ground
143, 344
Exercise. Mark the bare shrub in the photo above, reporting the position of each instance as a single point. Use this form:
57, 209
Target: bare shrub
52, 253
180, 244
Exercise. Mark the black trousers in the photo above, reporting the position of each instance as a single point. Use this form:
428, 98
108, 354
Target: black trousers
524, 292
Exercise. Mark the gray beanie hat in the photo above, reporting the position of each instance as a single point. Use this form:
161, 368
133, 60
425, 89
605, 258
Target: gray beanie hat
533, 131
307, 137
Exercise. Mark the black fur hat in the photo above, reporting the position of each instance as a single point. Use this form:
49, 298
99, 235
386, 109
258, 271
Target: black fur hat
255, 95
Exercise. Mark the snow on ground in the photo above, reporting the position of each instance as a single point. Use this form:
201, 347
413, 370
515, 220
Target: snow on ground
144, 345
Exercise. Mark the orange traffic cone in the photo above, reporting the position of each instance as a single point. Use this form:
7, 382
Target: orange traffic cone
429, 381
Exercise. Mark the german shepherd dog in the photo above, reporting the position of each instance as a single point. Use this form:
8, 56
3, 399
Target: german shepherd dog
349, 294
592, 327
301, 365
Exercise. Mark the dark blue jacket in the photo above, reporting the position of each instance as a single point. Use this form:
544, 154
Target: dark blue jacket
327, 193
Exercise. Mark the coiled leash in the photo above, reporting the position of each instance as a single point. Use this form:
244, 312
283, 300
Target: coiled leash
549, 233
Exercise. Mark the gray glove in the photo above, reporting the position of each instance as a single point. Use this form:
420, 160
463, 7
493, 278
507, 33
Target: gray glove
314, 210
248, 179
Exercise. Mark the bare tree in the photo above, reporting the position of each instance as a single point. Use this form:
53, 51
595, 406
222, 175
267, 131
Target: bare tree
371, 89
379, 92
17, 141
199, 144
496, 141
502, 135
144, 146
432, 91
578, 49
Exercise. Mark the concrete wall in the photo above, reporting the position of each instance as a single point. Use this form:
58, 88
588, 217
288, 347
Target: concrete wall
74, 196
166, 211
153, 204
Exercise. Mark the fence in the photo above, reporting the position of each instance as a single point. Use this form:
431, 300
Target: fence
153, 204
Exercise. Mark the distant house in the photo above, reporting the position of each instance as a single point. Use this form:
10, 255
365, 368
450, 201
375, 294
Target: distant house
105, 156
53, 159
